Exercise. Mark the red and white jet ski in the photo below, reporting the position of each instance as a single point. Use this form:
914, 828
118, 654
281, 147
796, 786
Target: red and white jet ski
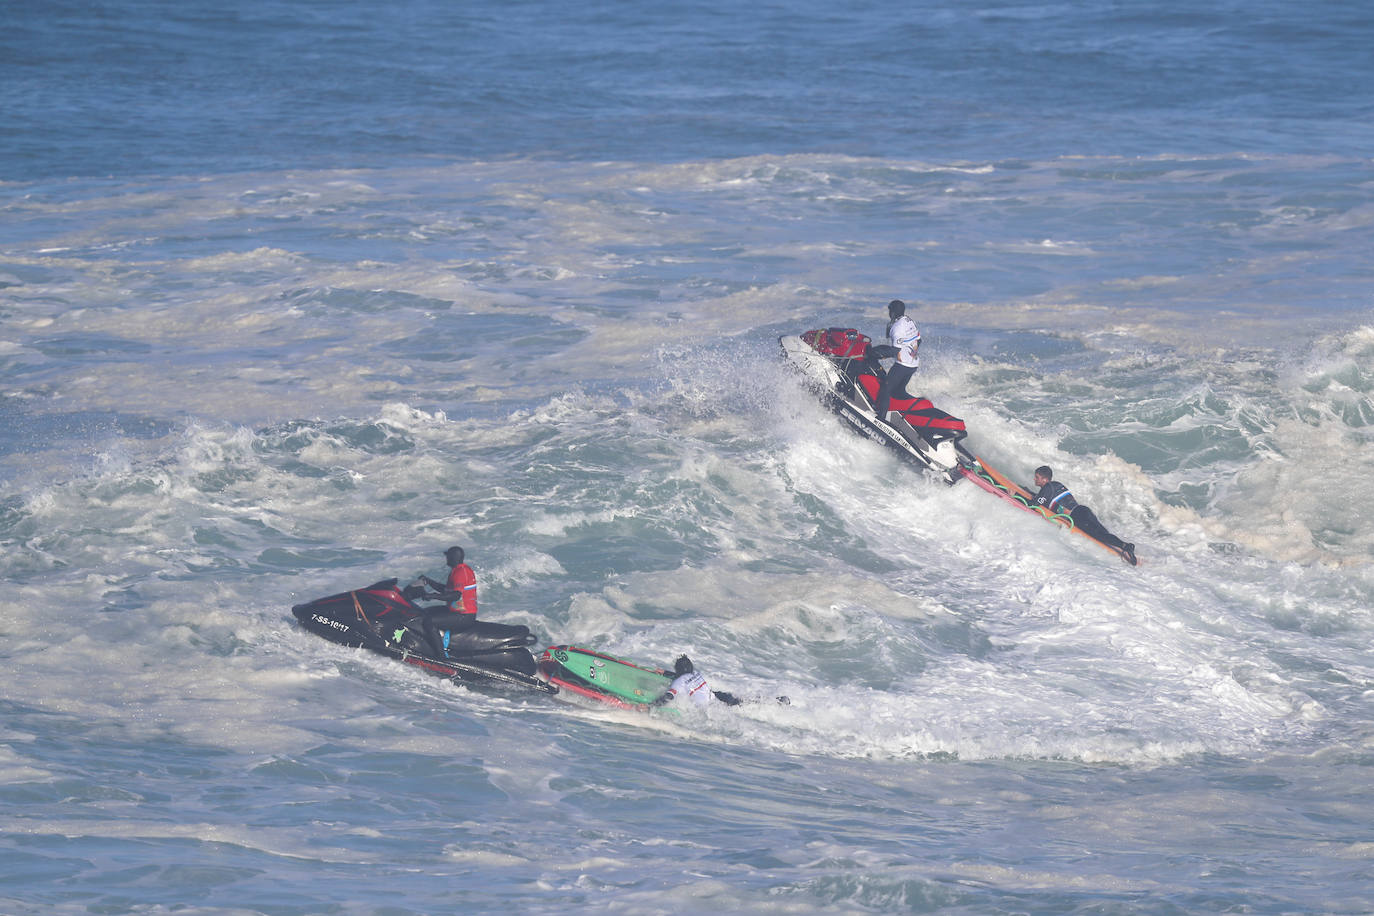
841, 365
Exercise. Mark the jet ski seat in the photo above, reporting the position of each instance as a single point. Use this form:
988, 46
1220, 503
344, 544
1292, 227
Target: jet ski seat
901, 400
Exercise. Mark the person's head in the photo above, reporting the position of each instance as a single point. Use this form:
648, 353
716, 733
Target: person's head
896, 309
1043, 475
453, 556
682, 666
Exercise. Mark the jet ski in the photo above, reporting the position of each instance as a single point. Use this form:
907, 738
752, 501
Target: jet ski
842, 365
385, 619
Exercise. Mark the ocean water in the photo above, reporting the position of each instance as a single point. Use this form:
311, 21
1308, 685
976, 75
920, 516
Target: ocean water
295, 295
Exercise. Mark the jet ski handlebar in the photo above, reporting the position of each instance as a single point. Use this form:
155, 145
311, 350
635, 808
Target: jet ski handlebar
440, 591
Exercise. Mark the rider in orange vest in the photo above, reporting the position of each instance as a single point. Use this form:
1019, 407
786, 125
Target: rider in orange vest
460, 593
462, 583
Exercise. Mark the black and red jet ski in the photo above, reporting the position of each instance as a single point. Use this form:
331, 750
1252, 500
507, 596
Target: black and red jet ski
843, 366
385, 619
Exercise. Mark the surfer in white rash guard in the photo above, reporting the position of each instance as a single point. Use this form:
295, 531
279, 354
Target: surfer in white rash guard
689, 686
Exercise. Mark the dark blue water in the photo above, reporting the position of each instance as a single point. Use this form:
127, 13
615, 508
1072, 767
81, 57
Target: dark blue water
134, 88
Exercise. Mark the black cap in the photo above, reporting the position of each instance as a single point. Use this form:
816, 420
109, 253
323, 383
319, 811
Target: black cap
453, 556
896, 308
682, 666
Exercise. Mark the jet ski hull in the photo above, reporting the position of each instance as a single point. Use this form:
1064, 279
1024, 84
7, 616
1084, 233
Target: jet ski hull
381, 619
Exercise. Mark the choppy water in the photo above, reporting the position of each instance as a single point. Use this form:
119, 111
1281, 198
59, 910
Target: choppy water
295, 296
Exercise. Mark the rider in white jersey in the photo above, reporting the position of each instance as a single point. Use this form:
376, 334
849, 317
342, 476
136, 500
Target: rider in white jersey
903, 334
905, 338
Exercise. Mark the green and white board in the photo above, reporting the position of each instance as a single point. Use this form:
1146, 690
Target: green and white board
603, 677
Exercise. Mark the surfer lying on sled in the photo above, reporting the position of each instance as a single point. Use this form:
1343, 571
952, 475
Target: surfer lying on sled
1055, 498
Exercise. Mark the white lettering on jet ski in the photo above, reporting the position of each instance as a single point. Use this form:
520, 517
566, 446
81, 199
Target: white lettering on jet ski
332, 623
862, 424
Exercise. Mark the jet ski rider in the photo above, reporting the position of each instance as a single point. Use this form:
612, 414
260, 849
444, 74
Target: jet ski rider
461, 595
1056, 497
462, 583
905, 339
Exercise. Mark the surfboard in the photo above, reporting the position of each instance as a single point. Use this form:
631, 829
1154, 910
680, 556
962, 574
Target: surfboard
603, 677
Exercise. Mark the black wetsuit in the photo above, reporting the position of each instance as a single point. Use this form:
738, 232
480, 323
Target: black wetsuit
1056, 497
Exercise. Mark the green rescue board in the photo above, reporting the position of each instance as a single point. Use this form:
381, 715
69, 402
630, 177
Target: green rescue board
626, 680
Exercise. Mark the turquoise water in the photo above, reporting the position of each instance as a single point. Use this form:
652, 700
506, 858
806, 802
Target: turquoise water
295, 296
